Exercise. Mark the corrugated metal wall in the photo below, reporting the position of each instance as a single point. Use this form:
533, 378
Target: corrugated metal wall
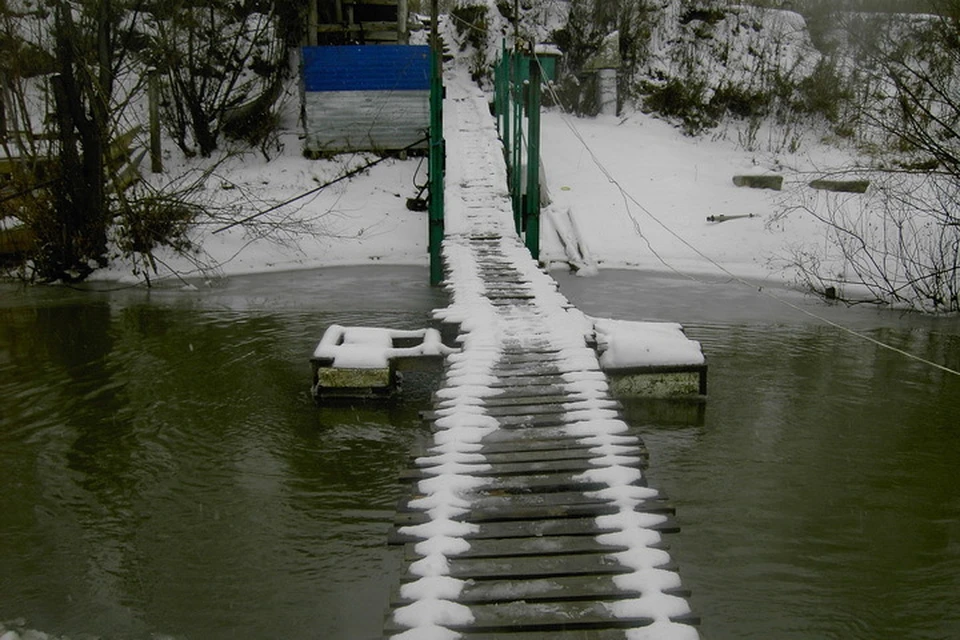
365, 98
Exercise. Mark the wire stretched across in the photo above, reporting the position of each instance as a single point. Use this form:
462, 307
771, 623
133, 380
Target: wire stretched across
735, 278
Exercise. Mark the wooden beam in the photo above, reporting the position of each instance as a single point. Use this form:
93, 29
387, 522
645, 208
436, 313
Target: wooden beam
312, 21
365, 27
403, 32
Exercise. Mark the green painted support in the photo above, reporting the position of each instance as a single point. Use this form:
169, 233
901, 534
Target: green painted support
516, 163
518, 91
503, 98
436, 168
532, 213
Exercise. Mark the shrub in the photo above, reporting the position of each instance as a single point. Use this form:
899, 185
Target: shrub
683, 100
823, 92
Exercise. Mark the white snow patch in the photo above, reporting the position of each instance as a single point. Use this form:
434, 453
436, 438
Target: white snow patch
439, 500
629, 493
433, 612
649, 580
650, 605
611, 476
641, 557
596, 427
624, 344
433, 565
433, 588
440, 527
442, 545
427, 632
664, 630
632, 538
372, 348
629, 519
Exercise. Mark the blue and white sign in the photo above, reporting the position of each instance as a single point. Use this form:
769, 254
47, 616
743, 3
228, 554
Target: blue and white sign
365, 97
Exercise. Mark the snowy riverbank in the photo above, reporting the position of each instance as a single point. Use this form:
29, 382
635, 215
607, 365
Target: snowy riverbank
655, 217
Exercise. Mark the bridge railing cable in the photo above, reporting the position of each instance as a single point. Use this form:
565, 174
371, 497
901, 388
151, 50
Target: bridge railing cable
629, 197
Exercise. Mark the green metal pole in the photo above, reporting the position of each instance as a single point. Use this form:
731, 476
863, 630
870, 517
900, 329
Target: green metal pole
533, 163
507, 114
516, 176
436, 162
499, 95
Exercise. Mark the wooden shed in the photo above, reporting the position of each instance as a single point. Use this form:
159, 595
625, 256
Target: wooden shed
338, 22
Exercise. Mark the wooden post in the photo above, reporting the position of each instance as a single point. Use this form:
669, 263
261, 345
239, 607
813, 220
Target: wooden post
313, 20
403, 37
153, 100
4, 96
3, 106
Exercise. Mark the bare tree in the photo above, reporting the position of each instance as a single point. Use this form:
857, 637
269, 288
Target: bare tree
900, 242
224, 63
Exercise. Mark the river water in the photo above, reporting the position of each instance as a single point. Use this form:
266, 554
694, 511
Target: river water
164, 473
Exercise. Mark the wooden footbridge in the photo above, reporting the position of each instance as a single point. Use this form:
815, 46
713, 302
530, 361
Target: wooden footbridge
529, 516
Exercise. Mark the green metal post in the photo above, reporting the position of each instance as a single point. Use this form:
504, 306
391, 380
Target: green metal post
516, 176
501, 100
436, 162
533, 163
507, 133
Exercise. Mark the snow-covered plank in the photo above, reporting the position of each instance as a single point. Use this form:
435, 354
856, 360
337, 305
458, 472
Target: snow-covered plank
533, 474
531, 444
552, 616
520, 529
557, 588
520, 456
522, 468
530, 547
533, 568
513, 410
553, 634
504, 502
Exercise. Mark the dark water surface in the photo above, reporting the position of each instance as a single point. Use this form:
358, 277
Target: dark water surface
163, 471
820, 495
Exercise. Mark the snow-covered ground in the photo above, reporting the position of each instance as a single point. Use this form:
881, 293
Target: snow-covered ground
362, 220
654, 216
641, 194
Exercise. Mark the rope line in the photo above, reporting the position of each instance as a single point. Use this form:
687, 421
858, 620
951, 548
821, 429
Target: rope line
340, 178
629, 197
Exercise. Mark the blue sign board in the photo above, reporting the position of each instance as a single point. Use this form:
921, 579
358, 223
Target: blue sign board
367, 68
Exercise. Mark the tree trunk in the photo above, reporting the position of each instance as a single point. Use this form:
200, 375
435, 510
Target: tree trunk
81, 112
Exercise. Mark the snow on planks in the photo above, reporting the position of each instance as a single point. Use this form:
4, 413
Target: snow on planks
529, 516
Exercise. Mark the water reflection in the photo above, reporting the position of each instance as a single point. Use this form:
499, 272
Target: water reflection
818, 497
168, 472
165, 470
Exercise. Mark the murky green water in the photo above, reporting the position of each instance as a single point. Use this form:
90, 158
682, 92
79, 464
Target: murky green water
820, 495
164, 471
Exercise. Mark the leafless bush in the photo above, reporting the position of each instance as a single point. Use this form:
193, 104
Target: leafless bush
898, 244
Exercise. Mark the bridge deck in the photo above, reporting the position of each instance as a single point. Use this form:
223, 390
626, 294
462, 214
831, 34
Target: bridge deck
529, 516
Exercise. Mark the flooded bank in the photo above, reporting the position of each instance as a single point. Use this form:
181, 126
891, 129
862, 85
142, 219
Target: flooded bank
166, 473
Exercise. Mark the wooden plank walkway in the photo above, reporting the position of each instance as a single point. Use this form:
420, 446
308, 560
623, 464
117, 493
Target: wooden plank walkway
529, 516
